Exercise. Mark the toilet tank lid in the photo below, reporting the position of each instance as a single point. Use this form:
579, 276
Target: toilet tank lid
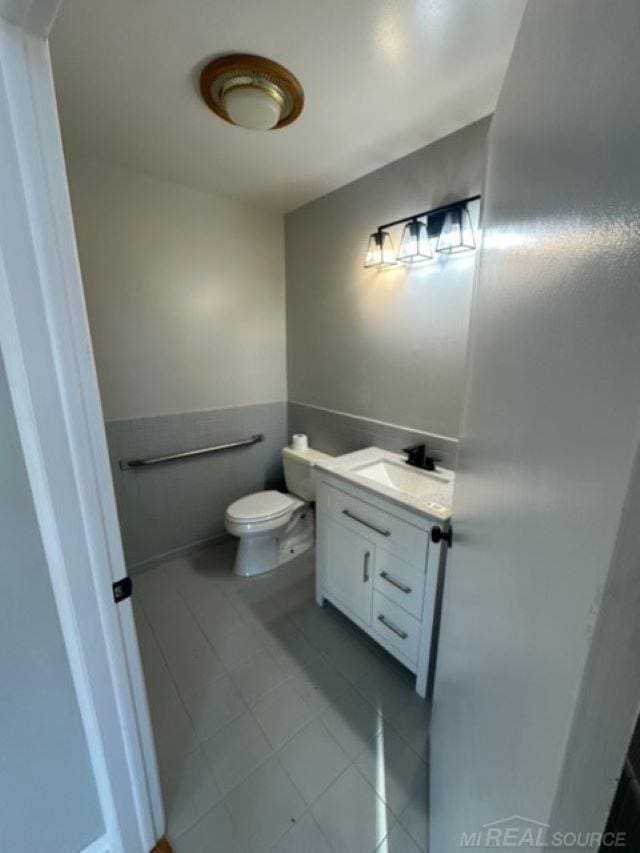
309, 455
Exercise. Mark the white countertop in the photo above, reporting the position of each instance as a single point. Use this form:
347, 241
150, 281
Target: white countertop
435, 503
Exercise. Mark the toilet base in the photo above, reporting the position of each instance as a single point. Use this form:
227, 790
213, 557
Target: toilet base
263, 552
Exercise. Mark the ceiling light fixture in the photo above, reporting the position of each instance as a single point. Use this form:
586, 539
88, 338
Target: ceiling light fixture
251, 91
450, 223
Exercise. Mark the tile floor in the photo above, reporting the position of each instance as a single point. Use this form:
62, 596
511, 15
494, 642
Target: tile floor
279, 726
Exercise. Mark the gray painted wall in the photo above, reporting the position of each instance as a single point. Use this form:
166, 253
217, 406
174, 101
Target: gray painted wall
552, 421
186, 301
185, 294
168, 507
384, 345
48, 799
185, 297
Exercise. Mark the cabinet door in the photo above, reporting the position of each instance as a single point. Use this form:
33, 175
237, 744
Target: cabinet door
349, 569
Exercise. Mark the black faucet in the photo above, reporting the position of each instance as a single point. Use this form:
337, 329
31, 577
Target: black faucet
417, 456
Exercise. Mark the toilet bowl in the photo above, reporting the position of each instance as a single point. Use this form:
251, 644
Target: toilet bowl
273, 527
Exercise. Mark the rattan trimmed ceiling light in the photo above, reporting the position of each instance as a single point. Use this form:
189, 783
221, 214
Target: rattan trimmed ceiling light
251, 91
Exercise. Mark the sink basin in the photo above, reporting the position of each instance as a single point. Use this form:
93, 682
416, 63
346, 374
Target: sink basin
402, 478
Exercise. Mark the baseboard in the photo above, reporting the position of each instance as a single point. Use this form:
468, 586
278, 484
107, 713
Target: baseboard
144, 565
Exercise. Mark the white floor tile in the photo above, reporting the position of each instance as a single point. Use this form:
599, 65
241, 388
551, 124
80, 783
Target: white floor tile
352, 721
304, 837
412, 722
223, 642
313, 759
236, 751
320, 683
415, 817
215, 707
386, 689
238, 646
392, 768
351, 816
293, 652
346, 651
189, 791
282, 713
190, 658
213, 833
213, 611
265, 805
155, 590
258, 676
173, 731
398, 841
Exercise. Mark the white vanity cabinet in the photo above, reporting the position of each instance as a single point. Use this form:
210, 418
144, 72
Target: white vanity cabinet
375, 562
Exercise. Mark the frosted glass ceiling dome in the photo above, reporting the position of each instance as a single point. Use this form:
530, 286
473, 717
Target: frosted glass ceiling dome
251, 92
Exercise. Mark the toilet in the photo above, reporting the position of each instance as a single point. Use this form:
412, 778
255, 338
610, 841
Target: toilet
272, 526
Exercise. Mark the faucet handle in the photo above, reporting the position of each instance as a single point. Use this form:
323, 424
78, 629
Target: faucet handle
416, 454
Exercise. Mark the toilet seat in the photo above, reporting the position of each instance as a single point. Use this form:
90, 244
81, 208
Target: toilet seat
275, 527
261, 506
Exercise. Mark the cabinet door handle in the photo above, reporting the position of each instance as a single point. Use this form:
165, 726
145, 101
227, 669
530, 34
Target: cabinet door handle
366, 523
397, 584
402, 634
365, 571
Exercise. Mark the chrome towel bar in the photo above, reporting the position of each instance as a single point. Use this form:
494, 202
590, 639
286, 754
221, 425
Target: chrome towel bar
189, 454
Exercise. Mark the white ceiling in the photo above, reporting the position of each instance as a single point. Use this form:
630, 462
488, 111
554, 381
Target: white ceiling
381, 77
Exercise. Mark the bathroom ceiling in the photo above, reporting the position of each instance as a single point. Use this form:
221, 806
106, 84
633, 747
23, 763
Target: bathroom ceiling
382, 78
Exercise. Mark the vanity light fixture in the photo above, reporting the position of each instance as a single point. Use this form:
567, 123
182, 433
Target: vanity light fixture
450, 223
380, 251
457, 234
251, 91
414, 245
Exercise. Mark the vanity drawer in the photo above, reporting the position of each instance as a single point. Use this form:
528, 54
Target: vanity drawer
396, 630
399, 581
394, 535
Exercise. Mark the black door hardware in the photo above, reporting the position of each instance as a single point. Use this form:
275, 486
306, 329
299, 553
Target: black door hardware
122, 589
438, 535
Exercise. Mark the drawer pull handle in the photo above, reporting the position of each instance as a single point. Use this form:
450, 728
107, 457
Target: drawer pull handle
397, 584
366, 566
366, 523
402, 634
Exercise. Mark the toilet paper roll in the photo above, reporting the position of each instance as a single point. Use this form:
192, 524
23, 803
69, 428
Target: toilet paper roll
300, 442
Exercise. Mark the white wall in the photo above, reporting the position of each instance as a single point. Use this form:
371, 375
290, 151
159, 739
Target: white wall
184, 290
48, 798
552, 421
387, 345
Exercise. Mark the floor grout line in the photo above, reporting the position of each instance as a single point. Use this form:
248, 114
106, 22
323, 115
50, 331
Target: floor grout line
335, 629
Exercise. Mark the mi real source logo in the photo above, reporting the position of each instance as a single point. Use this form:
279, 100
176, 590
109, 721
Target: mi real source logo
526, 834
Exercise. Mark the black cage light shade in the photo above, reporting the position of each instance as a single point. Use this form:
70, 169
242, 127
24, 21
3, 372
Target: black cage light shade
457, 232
414, 245
448, 225
380, 251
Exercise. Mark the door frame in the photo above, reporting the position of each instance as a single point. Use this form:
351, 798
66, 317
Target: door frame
46, 346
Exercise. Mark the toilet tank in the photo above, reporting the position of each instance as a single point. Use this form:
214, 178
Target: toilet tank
298, 471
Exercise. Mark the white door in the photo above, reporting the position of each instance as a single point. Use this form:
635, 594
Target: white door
551, 427
349, 569
46, 349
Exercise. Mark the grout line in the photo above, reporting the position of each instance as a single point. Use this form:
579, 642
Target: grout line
301, 672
